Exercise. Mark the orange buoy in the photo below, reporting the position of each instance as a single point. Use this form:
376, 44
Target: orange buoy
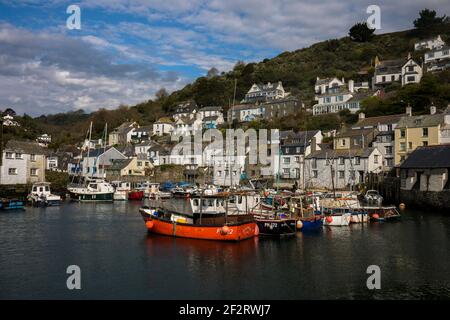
329, 219
375, 216
299, 224
149, 224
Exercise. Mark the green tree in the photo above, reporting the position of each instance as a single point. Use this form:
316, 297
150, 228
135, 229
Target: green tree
428, 21
361, 32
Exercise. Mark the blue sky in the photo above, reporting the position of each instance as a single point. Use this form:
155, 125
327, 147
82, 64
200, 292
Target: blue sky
126, 50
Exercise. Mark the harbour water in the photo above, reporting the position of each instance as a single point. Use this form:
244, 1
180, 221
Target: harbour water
119, 260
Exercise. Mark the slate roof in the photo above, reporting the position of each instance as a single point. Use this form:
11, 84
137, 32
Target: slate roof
96, 152
26, 147
298, 138
329, 154
355, 132
428, 157
390, 66
211, 108
428, 120
374, 121
119, 164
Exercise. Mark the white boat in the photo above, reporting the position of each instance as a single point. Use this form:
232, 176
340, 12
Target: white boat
122, 190
41, 195
337, 220
92, 191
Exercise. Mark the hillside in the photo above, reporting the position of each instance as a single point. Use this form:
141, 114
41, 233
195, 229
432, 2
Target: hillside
297, 70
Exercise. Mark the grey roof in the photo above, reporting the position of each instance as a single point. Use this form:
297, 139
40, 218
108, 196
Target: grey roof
27, 147
429, 120
330, 154
355, 132
375, 121
96, 152
144, 129
119, 164
324, 81
298, 138
428, 157
211, 108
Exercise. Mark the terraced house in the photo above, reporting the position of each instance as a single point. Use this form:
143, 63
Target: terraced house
424, 130
23, 162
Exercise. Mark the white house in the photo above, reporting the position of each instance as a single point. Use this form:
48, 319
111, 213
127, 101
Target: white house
163, 126
96, 161
211, 116
8, 121
403, 71
344, 168
265, 92
431, 44
123, 133
23, 162
334, 95
186, 126
437, 54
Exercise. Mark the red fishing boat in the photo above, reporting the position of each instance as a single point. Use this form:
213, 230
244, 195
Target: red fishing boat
206, 218
136, 195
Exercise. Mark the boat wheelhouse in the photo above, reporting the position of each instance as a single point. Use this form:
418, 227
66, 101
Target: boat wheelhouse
41, 195
92, 191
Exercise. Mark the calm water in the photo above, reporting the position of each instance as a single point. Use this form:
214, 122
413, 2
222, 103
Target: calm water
119, 260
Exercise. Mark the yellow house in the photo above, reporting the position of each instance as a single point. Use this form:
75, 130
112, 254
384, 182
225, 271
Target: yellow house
415, 131
128, 167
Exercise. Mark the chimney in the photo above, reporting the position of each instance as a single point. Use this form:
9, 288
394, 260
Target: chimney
343, 80
323, 88
432, 109
351, 86
361, 116
409, 111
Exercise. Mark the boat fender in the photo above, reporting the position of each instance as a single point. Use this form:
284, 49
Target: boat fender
256, 230
225, 230
149, 224
299, 224
375, 216
329, 219
402, 206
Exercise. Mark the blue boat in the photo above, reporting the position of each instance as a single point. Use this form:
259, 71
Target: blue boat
12, 204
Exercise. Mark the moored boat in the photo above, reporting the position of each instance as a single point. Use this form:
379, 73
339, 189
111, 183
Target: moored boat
275, 226
11, 204
41, 195
204, 218
93, 191
136, 195
313, 223
121, 190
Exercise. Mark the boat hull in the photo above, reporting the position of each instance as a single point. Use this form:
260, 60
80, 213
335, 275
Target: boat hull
88, 197
276, 227
136, 195
233, 232
309, 224
337, 220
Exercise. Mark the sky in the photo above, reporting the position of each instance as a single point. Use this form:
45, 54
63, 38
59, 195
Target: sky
126, 50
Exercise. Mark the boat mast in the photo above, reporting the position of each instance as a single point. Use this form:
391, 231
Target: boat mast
89, 143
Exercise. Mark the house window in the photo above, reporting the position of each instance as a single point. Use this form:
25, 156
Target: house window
392, 78
315, 173
343, 142
425, 132
286, 171
402, 158
383, 79
388, 150
410, 145
375, 159
411, 79
139, 163
411, 68
402, 133
33, 157
357, 160
19, 156
9, 155
341, 160
425, 143
297, 149
34, 172
314, 163
297, 159
402, 146
12, 171
445, 53
341, 174
219, 173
